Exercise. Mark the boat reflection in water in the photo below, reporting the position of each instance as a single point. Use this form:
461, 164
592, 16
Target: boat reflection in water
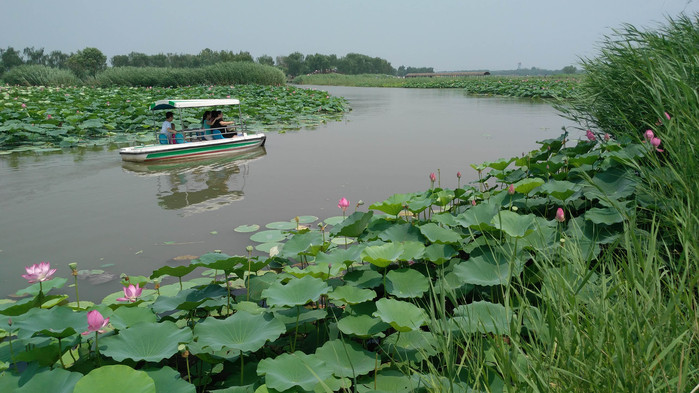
200, 185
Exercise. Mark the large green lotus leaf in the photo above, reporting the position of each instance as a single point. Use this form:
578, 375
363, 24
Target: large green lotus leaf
147, 341
354, 225
188, 299
606, 216
168, 380
436, 234
398, 233
346, 358
560, 189
334, 220
482, 317
364, 278
228, 264
418, 203
33, 290
125, 317
478, 271
390, 380
363, 326
322, 270
293, 369
291, 317
348, 294
19, 307
54, 381
414, 346
525, 186
584, 159
297, 292
306, 219
241, 331
439, 253
444, 197
446, 219
402, 316
382, 255
614, 183
58, 322
115, 379
251, 307
406, 283
174, 271
499, 164
270, 236
393, 205
246, 228
513, 224
309, 243
346, 256
412, 251
478, 217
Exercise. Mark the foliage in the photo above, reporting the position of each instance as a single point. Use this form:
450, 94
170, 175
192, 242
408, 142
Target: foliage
40, 75
70, 116
87, 62
206, 57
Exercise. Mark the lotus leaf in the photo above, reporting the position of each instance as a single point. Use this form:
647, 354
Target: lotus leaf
383, 255
54, 381
354, 225
268, 236
297, 292
478, 217
606, 216
334, 220
560, 189
58, 322
147, 341
228, 264
363, 278
247, 228
412, 251
406, 283
346, 256
115, 379
513, 224
241, 331
478, 271
33, 290
402, 316
346, 359
482, 317
293, 369
525, 186
401, 233
363, 326
393, 205
291, 317
614, 183
319, 270
125, 317
351, 295
436, 234
308, 243
188, 299
390, 380
307, 219
282, 225
174, 271
439, 253
414, 346
19, 307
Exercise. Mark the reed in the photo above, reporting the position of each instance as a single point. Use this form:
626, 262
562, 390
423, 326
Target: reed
38, 75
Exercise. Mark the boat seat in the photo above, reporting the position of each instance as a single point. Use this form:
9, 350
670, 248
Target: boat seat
162, 138
179, 138
217, 134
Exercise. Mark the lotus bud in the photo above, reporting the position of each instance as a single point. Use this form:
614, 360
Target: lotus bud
667, 116
296, 219
590, 135
560, 215
649, 135
607, 137
360, 203
514, 208
458, 175
217, 251
248, 248
511, 189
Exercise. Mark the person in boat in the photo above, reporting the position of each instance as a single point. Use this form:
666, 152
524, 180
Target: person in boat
227, 128
206, 126
168, 129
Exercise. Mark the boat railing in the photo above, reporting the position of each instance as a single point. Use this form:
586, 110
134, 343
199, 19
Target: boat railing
205, 134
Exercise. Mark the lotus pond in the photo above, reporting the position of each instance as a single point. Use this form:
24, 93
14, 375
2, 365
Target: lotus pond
362, 301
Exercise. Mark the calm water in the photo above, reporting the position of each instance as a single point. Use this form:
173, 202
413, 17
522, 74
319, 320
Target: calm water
89, 207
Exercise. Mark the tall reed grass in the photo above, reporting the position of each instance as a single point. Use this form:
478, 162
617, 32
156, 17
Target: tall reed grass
38, 75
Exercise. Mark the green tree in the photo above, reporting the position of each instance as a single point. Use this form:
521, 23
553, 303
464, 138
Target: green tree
57, 59
266, 60
569, 69
87, 62
9, 58
295, 64
34, 56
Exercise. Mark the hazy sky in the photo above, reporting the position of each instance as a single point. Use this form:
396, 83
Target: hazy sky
447, 35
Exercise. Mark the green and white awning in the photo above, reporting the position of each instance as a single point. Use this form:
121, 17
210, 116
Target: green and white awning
199, 103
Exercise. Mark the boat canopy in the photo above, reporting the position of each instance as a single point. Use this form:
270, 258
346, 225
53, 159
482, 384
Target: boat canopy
199, 103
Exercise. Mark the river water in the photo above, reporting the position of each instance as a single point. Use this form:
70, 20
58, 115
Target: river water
87, 206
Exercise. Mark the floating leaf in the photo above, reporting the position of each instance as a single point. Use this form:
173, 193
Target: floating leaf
268, 236
247, 228
282, 225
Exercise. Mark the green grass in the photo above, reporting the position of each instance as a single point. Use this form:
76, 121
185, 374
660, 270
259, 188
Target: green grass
37, 75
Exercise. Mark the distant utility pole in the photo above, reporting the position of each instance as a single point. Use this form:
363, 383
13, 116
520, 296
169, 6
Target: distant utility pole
519, 65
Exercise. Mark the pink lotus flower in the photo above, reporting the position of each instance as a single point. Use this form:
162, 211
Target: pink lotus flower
656, 143
607, 137
95, 323
24, 105
458, 175
590, 135
667, 116
648, 135
343, 204
39, 272
433, 177
131, 293
560, 215
511, 189
49, 117
473, 202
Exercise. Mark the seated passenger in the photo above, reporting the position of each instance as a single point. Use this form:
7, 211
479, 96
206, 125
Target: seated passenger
227, 128
168, 129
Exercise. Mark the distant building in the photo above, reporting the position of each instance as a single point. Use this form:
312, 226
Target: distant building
446, 74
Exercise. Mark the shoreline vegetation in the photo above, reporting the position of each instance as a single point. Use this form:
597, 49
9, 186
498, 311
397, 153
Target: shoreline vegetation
569, 269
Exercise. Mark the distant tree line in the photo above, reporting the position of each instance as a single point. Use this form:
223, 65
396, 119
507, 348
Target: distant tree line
90, 61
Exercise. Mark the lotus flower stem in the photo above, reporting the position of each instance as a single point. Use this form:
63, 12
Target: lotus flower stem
180, 278
97, 349
248, 282
186, 360
60, 354
9, 334
296, 331
242, 369
228, 294
74, 271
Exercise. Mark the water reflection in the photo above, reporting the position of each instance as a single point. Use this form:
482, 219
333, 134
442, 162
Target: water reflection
193, 187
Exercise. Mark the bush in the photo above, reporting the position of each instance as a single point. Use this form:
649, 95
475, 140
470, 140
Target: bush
218, 74
39, 75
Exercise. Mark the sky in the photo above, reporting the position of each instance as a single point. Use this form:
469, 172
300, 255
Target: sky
448, 35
